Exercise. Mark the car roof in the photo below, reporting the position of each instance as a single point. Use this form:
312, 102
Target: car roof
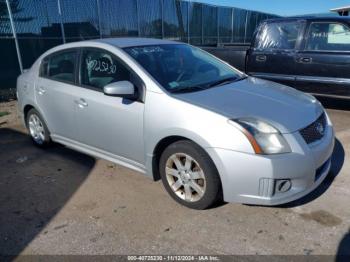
123, 42
119, 42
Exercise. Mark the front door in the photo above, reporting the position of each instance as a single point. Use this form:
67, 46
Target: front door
272, 56
323, 64
113, 125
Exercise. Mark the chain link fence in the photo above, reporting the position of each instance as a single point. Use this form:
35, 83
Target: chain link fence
28, 28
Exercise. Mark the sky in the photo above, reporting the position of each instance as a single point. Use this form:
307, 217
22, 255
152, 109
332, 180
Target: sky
282, 7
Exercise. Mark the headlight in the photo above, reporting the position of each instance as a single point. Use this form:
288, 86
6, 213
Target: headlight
264, 138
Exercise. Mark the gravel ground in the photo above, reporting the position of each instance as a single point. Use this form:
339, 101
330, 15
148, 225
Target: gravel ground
9, 114
58, 201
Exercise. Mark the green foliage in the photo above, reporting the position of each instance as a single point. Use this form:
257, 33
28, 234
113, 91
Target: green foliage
4, 113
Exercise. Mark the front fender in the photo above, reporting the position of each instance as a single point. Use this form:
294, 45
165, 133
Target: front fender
167, 116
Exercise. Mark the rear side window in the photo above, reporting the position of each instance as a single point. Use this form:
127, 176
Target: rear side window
280, 35
325, 36
60, 66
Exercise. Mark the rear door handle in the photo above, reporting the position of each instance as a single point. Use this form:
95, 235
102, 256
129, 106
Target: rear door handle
261, 58
305, 60
41, 90
81, 103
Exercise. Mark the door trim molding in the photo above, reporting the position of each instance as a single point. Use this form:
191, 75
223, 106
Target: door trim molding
274, 76
325, 80
315, 79
330, 96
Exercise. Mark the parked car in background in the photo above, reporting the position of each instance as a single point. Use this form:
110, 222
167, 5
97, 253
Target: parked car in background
175, 112
311, 54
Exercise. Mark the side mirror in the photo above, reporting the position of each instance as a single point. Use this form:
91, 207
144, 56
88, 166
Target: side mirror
121, 88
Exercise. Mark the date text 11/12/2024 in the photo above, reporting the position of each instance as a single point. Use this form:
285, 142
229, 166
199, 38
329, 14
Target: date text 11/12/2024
173, 258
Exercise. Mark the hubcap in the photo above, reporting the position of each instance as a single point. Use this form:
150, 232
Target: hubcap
36, 129
185, 177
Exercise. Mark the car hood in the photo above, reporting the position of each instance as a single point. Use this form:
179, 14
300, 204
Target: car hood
284, 107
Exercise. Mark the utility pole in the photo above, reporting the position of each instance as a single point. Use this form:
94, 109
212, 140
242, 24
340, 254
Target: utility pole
14, 36
61, 21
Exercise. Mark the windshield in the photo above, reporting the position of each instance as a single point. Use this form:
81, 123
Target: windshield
183, 68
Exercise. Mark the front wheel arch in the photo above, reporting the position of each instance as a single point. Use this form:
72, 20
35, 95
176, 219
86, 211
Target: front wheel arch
159, 149
162, 145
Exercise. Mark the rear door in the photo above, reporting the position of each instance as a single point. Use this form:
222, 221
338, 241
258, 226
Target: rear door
55, 92
272, 56
323, 66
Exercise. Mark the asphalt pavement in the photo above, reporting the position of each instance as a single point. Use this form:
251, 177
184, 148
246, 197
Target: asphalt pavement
58, 201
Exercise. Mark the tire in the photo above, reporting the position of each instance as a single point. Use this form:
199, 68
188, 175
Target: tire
37, 128
199, 176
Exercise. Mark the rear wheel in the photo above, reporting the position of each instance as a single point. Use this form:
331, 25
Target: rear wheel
37, 129
189, 175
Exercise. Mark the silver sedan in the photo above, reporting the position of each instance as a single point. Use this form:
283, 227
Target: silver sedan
173, 112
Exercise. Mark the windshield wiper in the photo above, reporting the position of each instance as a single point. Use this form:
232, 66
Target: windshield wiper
225, 81
187, 89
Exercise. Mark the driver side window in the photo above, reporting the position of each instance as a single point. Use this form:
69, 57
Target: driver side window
100, 68
326, 36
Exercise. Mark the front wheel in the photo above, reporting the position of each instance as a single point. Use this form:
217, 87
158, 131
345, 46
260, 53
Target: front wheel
189, 175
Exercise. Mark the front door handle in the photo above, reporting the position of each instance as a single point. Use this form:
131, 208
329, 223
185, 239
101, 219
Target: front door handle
261, 58
81, 103
305, 60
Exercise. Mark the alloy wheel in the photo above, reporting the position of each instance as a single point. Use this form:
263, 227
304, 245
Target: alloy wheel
36, 129
185, 177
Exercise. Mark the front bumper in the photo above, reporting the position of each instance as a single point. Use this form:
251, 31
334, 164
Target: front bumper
251, 178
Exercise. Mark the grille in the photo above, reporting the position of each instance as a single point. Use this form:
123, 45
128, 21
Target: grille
315, 131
